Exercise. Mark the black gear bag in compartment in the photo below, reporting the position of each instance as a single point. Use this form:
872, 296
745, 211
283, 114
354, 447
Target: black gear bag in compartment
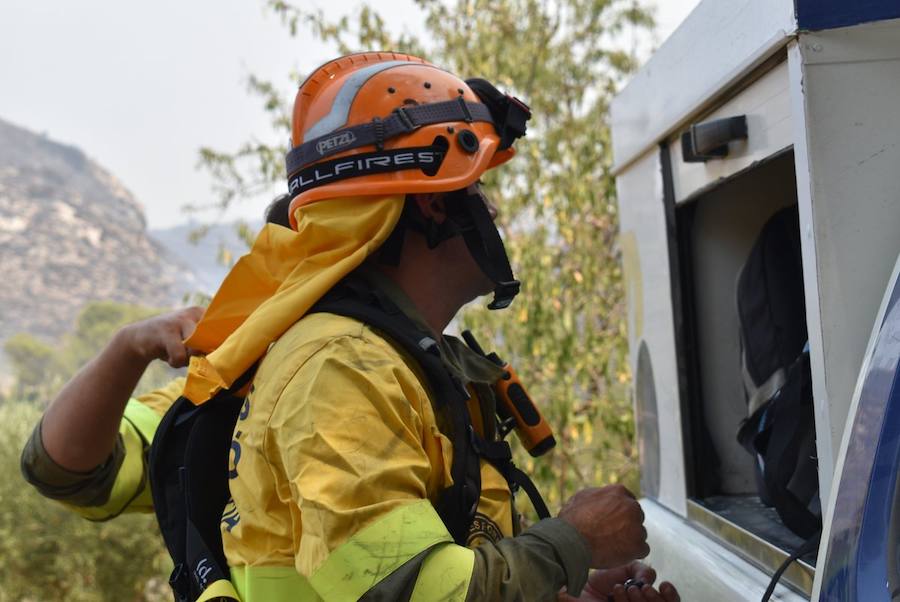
780, 429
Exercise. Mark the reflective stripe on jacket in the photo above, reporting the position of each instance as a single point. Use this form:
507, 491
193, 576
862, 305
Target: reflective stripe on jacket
120, 484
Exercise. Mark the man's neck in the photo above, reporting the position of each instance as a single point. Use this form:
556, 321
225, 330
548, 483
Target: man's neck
427, 292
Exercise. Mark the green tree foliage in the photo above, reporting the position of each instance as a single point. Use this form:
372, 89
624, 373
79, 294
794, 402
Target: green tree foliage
566, 331
35, 366
48, 554
41, 369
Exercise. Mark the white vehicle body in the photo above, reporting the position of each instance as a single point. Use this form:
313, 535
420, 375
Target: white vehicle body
819, 84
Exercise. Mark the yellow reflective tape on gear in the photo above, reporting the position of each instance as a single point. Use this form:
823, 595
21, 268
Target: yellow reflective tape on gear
445, 575
144, 419
272, 584
378, 550
130, 491
219, 590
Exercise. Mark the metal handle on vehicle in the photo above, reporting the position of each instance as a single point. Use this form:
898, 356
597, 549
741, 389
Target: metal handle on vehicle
705, 141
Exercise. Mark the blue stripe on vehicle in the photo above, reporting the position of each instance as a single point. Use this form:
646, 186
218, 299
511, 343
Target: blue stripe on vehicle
828, 14
856, 563
876, 570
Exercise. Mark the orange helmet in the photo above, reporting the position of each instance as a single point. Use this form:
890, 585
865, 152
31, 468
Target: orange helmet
379, 123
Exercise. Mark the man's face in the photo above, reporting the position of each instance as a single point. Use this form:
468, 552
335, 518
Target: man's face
456, 262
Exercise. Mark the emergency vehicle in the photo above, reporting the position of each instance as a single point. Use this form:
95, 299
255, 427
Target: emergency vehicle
758, 127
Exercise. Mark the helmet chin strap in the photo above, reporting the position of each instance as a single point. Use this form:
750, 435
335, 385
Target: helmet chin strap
469, 212
467, 216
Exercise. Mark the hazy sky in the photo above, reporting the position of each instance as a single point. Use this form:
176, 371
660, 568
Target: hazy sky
140, 86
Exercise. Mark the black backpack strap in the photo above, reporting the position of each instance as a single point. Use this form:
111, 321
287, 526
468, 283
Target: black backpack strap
458, 504
499, 454
188, 462
353, 299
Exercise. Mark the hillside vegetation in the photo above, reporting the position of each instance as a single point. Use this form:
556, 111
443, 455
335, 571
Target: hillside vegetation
47, 553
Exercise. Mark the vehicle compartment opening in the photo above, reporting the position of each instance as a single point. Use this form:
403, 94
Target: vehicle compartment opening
744, 319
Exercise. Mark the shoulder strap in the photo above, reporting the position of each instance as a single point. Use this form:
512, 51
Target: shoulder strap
458, 504
352, 299
499, 455
188, 463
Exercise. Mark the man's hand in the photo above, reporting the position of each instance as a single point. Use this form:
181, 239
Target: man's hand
609, 586
612, 523
80, 426
162, 337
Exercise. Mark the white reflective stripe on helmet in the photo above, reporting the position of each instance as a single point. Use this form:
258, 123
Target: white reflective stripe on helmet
340, 109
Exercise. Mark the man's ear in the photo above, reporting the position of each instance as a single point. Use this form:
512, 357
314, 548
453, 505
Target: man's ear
431, 206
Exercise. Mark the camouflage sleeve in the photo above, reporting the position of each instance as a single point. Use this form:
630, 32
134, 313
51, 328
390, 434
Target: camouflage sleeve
119, 484
535, 565
57, 483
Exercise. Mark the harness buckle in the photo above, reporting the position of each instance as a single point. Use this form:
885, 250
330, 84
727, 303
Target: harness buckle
467, 115
505, 427
405, 120
504, 293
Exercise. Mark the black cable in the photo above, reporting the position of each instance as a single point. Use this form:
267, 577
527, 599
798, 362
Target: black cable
808, 546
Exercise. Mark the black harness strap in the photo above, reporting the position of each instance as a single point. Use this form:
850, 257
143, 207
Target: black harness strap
459, 502
187, 509
518, 477
378, 131
499, 454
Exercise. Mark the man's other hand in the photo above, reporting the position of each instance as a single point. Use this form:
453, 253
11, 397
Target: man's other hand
612, 523
162, 337
609, 586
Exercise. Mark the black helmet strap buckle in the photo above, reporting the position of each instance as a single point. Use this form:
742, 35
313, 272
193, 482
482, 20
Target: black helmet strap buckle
504, 294
508, 112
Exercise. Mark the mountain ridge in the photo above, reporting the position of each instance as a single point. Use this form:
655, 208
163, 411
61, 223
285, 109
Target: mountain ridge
72, 233
202, 255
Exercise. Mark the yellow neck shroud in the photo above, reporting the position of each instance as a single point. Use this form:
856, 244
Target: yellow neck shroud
276, 283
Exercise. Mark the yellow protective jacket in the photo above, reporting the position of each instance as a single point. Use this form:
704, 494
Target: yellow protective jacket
337, 460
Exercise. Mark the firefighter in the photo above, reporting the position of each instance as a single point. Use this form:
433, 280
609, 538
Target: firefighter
352, 474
